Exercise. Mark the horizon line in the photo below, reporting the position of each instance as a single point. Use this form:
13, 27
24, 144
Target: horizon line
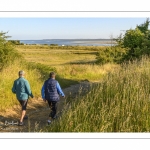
66, 39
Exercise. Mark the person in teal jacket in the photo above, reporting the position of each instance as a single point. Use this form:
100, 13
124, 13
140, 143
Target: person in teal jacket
21, 88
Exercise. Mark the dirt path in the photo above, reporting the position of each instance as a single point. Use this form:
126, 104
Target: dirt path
38, 111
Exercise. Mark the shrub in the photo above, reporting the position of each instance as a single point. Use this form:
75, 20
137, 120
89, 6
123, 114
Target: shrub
137, 41
7, 52
43, 69
110, 55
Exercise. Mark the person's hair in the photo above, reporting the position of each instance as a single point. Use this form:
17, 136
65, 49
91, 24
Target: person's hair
52, 74
21, 73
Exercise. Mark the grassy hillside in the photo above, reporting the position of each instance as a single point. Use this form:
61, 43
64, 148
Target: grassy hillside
69, 70
7, 77
120, 103
71, 62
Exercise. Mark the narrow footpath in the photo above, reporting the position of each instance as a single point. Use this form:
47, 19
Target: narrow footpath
38, 111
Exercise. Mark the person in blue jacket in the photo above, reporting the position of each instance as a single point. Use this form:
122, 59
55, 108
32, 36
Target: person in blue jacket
51, 92
21, 88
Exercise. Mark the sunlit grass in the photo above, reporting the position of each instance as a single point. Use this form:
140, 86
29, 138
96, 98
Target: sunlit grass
87, 72
57, 57
119, 103
71, 66
7, 77
76, 63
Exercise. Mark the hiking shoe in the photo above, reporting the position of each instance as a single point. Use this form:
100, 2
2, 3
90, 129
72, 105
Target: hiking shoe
54, 117
20, 124
25, 117
48, 122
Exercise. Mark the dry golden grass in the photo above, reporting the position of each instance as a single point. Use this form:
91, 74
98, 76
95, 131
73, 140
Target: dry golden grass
71, 64
7, 77
76, 63
119, 103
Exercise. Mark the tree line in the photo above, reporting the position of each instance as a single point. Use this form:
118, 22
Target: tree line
132, 45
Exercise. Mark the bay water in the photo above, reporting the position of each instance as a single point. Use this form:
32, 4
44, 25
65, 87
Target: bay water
71, 42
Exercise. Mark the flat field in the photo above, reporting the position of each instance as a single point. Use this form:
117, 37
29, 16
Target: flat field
71, 62
56, 56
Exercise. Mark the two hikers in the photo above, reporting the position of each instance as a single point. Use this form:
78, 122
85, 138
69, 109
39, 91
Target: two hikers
50, 93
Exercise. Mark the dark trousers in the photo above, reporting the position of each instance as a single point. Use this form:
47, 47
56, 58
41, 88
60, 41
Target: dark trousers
53, 107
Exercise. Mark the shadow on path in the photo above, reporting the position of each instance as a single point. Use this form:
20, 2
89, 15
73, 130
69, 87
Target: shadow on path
38, 111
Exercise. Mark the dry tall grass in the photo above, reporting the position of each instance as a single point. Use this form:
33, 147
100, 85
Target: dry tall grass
7, 77
120, 103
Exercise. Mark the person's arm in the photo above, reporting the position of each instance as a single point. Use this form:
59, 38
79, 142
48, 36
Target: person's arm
43, 92
14, 88
28, 89
59, 90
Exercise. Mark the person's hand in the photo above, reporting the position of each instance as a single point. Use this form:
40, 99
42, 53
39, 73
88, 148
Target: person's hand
44, 100
31, 95
63, 96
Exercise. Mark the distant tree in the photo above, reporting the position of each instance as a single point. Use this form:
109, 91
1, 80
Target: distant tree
111, 54
136, 41
53, 44
133, 39
133, 44
144, 27
15, 42
7, 52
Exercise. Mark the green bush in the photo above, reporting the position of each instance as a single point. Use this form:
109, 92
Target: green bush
137, 41
110, 55
15, 42
7, 52
43, 69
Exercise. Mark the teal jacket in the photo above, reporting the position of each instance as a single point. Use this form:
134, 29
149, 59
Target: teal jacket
21, 88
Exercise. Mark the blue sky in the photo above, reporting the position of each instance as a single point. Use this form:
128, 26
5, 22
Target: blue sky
66, 28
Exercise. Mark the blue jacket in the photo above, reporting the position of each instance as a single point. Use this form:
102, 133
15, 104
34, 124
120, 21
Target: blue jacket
21, 88
51, 90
